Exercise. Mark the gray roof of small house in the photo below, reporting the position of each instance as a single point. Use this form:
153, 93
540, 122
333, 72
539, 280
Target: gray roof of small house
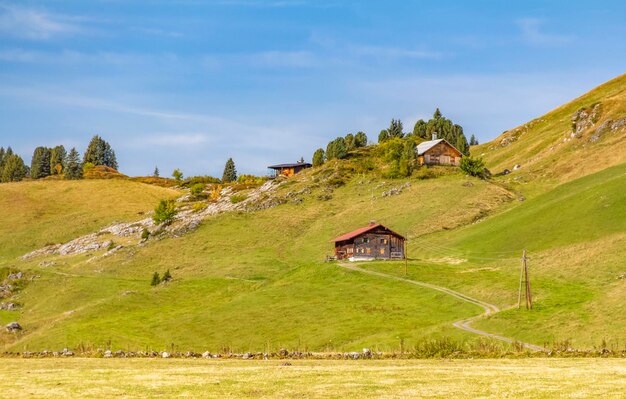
427, 145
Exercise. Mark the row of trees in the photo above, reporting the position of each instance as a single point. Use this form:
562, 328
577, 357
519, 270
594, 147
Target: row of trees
445, 129
339, 148
56, 161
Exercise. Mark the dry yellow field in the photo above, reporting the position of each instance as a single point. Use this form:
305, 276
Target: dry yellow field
194, 378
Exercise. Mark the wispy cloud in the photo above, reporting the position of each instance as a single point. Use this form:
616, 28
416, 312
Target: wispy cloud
175, 139
34, 24
532, 33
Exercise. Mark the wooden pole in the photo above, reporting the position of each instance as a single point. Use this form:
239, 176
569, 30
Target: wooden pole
521, 277
406, 259
529, 296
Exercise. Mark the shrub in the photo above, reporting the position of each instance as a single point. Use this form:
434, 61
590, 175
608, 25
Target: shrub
251, 180
198, 206
156, 279
238, 198
473, 167
145, 234
166, 276
197, 189
87, 167
164, 212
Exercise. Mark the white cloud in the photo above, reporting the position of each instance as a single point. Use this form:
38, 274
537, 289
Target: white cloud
532, 33
175, 139
34, 24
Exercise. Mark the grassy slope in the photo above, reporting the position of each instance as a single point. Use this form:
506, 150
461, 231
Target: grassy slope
37, 213
547, 152
576, 237
247, 281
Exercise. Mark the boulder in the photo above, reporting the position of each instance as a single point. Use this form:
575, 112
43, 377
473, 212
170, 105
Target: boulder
165, 355
206, 355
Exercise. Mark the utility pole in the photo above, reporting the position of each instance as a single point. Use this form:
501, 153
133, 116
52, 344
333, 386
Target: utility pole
524, 278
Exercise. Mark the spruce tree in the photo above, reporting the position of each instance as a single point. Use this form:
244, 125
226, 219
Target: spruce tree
13, 168
1, 154
360, 140
395, 129
73, 168
166, 276
156, 279
340, 150
318, 157
40, 163
230, 173
330, 151
156, 171
57, 160
99, 152
437, 114
473, 140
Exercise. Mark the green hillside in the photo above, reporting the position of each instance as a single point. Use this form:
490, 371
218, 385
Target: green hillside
258, 281
579, 138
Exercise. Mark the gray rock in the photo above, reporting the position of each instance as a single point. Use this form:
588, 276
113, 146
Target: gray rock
206, 355
13, 326
165, 355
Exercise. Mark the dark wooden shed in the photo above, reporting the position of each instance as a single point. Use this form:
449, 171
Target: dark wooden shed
372, 242
288, 169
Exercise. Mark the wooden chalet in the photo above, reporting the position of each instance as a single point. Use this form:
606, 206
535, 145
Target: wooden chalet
372, 242
438, 152
288, 169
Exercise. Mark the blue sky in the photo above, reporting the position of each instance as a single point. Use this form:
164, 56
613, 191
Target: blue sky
190, 83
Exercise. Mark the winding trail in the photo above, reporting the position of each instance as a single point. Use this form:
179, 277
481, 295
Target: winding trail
464, 324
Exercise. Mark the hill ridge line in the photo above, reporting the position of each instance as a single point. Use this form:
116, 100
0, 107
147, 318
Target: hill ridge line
463, 324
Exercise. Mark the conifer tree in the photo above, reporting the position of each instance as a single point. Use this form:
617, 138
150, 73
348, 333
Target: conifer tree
40, 163
473, 140
57, 160
166, 276
349, 140
73, 168
395, 129
13, 168
383, 136
318, 157
156, 171
177, 174
99, 152
230, 173
360, 140
156, 279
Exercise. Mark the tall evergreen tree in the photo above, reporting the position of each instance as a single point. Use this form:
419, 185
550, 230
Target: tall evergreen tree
318, 157
40, 164
57, 160
13, 168
360, 140
156, 171
230, 173
73, 168
437, 114
444, 128
395, 129
99, 152
330, 150
473, 140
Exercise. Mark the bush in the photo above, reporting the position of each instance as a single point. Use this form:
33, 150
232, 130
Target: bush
198, 206
145, 234
166, 276
197, 189
473, 167
251, 180
164, 212
238, 198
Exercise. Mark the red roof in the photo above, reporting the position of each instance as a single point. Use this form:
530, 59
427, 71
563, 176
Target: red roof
362, 230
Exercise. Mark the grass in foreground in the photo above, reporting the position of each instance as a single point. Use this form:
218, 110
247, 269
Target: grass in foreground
159, 378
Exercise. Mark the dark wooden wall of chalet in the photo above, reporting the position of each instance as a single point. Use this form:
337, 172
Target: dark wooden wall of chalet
440, 150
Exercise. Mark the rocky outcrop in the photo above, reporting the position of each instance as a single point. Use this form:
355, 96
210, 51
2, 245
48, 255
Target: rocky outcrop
584, 119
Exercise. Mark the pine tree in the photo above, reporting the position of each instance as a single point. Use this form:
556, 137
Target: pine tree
177, 174
166, 276
349, 140
318, 157
473, 140
57, 160
408, 158
230, 173
156, 171
156, 279
13, 168
360, 140
437, 114
1, 156
40, 163
330, 151
73, 168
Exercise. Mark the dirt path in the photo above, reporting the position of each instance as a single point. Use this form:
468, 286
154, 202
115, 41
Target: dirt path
464, 324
